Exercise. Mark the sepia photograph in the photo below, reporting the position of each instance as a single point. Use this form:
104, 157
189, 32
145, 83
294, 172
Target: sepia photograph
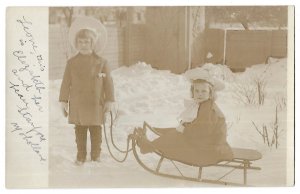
187, 96
183, 96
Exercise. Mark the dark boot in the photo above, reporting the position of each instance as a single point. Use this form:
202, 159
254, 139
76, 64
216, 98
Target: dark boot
142, 141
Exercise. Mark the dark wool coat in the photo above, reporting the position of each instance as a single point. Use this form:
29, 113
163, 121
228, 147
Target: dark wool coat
85, 89
203, 141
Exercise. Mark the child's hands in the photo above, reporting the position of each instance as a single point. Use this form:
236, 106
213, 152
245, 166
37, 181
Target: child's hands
180, 128
65, 108
101, 75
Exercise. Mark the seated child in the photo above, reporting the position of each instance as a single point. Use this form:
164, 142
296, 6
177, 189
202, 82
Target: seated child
200, 137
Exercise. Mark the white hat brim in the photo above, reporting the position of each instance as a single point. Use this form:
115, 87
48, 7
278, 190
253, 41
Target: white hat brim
203, 74
89, 23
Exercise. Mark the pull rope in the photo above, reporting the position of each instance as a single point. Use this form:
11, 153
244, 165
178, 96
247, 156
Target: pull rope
129, 138
111, 136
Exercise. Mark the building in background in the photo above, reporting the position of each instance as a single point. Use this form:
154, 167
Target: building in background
177, 38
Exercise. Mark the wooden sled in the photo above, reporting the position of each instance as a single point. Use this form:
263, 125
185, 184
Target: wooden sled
243, 159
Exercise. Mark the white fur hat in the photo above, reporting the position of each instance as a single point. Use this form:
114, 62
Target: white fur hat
203, 74
90, 24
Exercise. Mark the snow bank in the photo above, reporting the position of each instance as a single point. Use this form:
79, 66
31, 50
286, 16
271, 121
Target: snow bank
147, 94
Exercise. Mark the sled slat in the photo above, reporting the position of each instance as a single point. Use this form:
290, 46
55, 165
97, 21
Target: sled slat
238, 167
159, 164
246, 154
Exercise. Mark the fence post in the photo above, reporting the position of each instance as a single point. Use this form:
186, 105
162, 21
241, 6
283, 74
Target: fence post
189, 35
224, 51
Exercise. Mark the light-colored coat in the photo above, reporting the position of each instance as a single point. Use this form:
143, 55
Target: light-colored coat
87, 85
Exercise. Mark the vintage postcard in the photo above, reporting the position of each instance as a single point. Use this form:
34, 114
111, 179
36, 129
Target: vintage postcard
149, 96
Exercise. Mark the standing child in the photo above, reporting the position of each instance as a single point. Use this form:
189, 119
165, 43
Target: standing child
87, 88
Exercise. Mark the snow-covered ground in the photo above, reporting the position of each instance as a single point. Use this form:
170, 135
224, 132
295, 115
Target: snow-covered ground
156, 96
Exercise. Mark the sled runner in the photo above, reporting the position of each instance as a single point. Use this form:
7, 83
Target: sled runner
243, 159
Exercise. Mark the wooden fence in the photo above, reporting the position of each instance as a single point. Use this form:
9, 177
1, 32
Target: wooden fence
243, 48
165, 48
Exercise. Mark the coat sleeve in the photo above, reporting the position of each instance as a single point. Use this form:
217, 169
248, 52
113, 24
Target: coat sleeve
108, 84
65, 85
